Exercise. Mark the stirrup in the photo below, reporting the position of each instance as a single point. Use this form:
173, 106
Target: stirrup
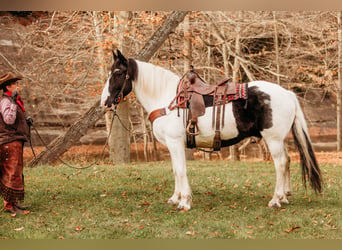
188, 129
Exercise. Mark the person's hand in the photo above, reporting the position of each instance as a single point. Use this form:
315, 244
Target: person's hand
29, 120
14, 96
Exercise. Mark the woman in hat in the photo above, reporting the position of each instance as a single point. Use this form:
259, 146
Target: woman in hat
14, 131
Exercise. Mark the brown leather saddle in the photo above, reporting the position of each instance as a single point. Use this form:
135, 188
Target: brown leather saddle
194, 95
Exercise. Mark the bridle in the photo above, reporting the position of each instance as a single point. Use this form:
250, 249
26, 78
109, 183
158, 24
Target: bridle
120, 96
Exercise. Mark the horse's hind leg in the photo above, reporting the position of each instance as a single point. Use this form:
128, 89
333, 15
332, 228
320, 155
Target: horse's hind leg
281, 164
182, 194
288, 191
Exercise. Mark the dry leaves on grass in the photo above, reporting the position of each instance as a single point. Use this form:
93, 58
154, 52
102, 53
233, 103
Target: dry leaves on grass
292, 229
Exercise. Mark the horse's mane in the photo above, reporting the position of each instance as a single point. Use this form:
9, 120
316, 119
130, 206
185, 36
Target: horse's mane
154, 80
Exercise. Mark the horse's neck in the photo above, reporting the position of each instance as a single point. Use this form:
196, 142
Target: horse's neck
155, 87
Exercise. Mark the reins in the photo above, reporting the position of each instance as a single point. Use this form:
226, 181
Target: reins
103, 149
120, 97
62, 161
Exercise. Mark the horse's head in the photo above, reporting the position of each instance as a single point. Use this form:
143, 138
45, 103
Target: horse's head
119, 83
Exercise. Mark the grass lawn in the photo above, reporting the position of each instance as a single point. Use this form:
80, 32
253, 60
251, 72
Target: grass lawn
130, 202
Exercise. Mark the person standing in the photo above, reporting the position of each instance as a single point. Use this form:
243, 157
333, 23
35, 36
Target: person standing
14, 132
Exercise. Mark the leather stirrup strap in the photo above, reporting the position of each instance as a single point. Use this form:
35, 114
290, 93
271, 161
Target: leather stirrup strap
217, 137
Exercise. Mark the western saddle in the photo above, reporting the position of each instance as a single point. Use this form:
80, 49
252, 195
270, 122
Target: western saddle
194, 95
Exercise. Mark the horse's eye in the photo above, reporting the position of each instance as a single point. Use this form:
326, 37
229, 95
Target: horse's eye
117, 72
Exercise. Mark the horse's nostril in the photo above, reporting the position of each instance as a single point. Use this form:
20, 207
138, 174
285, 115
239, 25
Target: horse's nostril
108, 104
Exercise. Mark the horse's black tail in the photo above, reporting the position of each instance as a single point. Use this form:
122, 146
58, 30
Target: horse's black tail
310, 168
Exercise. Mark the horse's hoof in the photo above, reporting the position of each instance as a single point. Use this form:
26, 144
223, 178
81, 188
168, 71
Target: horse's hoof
172, 201
284, 201
288, 193
274, 204
183, 208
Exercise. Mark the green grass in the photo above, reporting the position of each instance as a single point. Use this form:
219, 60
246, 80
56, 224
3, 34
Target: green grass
129, 202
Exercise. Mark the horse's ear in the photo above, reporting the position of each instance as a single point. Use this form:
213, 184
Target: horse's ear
120, 56
115, 54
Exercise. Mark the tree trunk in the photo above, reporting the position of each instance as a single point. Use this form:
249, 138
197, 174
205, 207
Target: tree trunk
157, 39
119, 142
62, 143
339, 88
189, 152
276, 45
234, 150
99, 49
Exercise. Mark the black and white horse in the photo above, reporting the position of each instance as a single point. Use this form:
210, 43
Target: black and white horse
271, 112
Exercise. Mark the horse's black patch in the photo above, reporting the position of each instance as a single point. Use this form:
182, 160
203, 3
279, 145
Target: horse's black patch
123, 72
253, 117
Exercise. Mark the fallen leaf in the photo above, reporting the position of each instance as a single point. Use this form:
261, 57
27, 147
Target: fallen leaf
19, 229
290, 230
79, 228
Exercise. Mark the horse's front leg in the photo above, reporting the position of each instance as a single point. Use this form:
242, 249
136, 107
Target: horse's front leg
182, 194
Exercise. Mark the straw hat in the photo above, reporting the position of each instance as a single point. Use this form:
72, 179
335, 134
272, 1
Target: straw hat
8, 78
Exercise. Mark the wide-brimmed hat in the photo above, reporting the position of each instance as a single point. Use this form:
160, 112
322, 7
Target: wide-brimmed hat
8, 78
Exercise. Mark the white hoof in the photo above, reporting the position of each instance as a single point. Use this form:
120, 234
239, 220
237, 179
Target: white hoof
274, 204
183, 207
174, 200
288, 193
284, 201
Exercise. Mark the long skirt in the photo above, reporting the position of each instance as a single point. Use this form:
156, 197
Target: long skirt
11, 171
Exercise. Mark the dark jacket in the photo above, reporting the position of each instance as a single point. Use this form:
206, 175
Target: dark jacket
14, 132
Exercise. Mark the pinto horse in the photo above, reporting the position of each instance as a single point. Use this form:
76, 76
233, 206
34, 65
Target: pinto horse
270, 112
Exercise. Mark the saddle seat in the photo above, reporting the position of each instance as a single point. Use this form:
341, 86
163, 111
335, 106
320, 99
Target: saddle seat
197, 85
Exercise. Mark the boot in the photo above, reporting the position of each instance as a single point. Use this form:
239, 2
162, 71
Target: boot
21, 207
10, 208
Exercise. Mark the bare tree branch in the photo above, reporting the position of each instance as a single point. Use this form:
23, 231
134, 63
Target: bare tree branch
62, 143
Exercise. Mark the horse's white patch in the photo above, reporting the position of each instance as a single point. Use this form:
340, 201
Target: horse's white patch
105, 92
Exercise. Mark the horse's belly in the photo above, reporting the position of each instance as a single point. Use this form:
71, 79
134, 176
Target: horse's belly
207, 131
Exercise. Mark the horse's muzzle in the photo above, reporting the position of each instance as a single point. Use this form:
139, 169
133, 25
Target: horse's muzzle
109, 102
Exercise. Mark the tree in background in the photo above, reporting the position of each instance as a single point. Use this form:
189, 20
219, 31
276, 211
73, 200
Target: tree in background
64, 142
60, 53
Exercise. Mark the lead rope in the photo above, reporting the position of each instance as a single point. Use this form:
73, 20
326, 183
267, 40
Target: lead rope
104, 147
62, 161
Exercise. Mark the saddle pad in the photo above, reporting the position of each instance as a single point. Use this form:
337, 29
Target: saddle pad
241, 92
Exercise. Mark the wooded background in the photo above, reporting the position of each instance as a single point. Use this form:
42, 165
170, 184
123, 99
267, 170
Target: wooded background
65, 58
